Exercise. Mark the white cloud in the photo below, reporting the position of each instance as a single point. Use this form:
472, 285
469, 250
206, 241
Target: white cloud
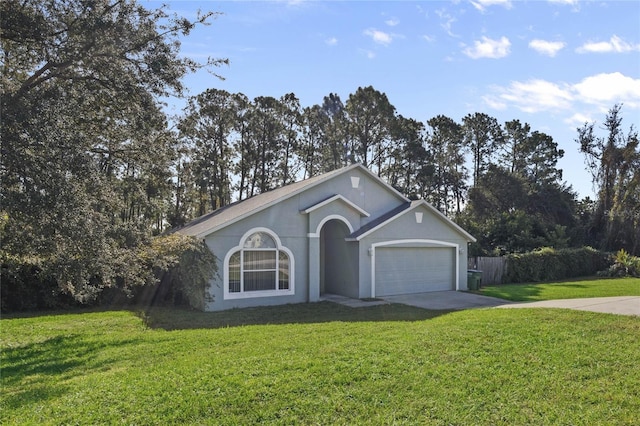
494, 102
575, 4
488, 48
608, 89
482, 5
332, 41
615, 44
535, 95
392, 22
379, 37
549, 48
602, 90
578, 119
447, 22
368, 53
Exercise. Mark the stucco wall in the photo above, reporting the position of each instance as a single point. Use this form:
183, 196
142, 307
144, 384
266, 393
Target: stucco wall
290, 226
406, 228
287, 220
299, 231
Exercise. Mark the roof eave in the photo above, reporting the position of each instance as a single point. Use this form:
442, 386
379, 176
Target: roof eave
413, 206
328, 176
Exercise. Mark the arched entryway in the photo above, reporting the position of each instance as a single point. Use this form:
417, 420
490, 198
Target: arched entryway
338, 260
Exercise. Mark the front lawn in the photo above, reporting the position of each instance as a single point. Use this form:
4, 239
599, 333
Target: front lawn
573, 289
381, 365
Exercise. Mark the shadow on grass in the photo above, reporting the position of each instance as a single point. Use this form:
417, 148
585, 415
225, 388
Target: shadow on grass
27, 368
176, 319
513, 292
527, 292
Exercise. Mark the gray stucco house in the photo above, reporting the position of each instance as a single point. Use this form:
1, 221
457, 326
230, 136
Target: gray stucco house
345, 232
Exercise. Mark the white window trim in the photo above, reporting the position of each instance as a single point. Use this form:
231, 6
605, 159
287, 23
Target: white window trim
227, 295
327, 219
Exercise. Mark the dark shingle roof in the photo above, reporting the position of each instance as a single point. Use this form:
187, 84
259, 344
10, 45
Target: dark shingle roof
226, 215
379, 221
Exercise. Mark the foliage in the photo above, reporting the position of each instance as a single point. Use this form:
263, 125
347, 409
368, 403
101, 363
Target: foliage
185, 266
614, 162
567, 289
540, 367
171, 268
25, 286
208, 122
482, 135
624, 265
510, 214
548, 264
86, 151
518, 201
370, 117
445, 185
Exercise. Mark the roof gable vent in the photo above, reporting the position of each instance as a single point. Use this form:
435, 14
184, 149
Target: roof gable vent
355, 181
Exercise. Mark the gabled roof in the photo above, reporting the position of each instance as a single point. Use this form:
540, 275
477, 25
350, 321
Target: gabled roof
401, 210
379, 222
224, 216
333, 198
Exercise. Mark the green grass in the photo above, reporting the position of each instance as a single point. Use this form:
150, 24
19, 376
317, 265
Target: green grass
378, 365
595, 287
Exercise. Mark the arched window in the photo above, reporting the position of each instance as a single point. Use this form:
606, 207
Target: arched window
258, 267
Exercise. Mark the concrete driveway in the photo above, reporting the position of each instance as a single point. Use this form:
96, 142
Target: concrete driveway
456, 300
446, 300
622, 305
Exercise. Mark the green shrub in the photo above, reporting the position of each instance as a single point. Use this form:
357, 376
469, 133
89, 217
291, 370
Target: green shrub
175, 270
624, 265
169, 269
189, 278
25, 287
548, 264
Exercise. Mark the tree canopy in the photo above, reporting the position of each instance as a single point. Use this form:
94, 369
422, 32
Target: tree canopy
614, 162
86, 151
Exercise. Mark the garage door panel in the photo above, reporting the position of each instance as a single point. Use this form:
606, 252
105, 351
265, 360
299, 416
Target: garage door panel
406, 270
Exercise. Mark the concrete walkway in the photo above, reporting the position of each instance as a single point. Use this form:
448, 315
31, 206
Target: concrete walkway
457, 300
622, 305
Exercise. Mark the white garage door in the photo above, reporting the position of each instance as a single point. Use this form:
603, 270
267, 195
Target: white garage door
406, 270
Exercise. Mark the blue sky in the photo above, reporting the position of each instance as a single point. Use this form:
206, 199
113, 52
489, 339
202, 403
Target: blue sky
552, 64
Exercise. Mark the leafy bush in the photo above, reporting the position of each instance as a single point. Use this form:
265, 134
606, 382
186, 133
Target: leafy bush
24, 286
186, 275
548, 264
170, 269
624, 265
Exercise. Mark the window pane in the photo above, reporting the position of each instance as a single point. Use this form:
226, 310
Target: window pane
234, 273
259, 280
257, 260
283, 273
260, 240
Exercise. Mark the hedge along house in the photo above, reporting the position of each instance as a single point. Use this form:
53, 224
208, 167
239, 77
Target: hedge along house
346, 232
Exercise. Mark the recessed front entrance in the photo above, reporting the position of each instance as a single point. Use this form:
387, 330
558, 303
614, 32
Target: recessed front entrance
338, 260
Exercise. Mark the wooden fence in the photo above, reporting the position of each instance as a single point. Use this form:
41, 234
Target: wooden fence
493, 268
